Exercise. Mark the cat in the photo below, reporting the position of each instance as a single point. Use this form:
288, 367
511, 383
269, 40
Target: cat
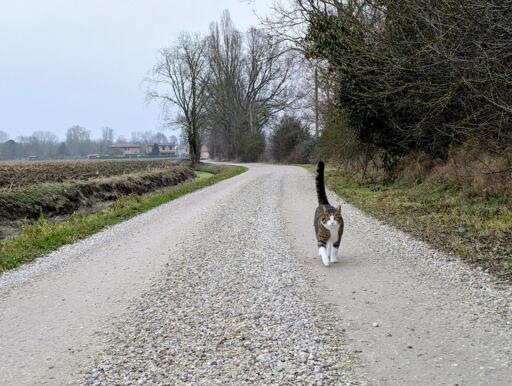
328, 222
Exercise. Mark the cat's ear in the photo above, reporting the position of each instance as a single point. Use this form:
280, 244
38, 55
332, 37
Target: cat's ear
324, 210
338, 209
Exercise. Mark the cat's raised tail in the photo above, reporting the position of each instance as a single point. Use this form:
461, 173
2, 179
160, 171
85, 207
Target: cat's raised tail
320, 184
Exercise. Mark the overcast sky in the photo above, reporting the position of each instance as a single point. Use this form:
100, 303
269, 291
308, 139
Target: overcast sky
81, 62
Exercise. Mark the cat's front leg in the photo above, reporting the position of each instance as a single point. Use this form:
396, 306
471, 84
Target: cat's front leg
323, 254
334, 255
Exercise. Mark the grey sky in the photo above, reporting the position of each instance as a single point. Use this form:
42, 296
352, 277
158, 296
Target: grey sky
67, 62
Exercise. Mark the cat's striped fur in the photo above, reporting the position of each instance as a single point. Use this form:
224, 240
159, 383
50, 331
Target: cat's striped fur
328, 222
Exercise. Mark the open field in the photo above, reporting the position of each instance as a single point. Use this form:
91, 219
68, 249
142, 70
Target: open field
67, 197
25, 173
30, 190
477, 228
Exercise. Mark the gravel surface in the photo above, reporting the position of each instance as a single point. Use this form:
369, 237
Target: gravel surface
224, 286
232, 308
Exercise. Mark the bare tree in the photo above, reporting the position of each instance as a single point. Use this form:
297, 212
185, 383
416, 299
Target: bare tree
40, 143
177, 80
173, 139
248, 85
78, 140
107, 135
159, 137
224, 87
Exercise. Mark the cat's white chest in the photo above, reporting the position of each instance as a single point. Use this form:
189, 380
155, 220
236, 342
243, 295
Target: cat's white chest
333, 234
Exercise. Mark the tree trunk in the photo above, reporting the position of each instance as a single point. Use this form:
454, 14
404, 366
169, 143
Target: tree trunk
192, 150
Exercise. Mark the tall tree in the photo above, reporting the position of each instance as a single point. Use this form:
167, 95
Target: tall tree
78, 140
107, 135
178, 80
62, 150
248, 85
159, 137
173, 139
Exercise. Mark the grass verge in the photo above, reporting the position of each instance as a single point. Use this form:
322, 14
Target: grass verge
42, 237
476, 228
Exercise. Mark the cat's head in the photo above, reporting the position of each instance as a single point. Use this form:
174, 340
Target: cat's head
331, 217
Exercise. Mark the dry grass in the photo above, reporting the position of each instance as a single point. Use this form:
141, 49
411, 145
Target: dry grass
473, 170
477, 172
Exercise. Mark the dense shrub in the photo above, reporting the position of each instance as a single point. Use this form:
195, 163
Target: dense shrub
252, 147
291, 141
418, 76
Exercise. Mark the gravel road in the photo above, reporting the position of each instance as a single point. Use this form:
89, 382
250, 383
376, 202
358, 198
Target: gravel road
223, 286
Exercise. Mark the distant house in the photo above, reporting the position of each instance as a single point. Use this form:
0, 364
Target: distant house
205, 153
182, 151
124, 149
168, 149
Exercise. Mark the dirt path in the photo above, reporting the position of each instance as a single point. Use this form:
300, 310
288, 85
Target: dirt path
409, 316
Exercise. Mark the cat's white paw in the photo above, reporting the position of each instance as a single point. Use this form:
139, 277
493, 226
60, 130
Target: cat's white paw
323, 254
334, 255
325, 260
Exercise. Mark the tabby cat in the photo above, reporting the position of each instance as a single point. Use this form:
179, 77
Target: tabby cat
328, 222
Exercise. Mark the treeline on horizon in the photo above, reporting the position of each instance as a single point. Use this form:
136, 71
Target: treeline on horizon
77, 143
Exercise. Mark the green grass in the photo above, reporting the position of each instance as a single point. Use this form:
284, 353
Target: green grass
477, 228
42, 236
202, 175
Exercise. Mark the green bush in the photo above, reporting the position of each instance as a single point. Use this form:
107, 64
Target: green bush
291, 141
252, 147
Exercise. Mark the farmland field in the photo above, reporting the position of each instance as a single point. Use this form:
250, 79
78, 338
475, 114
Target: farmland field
25, 173
58, 189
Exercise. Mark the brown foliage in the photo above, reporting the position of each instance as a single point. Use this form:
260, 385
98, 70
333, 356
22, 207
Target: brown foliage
469, 166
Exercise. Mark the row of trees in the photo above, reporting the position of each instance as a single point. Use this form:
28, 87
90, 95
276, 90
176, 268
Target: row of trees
78, 143
228, 87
